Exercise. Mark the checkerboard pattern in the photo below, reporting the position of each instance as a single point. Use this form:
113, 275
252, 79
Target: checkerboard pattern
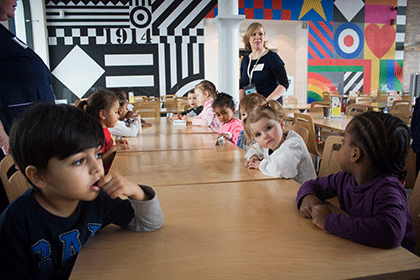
258, 9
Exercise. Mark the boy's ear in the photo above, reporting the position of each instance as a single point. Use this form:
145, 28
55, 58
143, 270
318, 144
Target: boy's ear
35, 176
102, 114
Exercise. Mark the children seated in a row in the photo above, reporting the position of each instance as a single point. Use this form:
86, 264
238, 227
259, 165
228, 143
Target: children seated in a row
369, 188
246, 105
231, 127
194, 110
58, 148
206, 93
278, 152
130, 114
126, 126
104, 106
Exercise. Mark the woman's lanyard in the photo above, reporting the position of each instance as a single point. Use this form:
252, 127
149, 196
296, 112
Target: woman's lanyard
250, 74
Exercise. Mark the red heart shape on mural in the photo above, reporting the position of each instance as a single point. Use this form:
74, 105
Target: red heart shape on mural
379, 39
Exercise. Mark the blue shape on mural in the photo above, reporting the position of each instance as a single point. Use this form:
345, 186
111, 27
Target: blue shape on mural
353, 47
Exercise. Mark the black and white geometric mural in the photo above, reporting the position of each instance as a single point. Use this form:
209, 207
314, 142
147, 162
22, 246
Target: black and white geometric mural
150, 47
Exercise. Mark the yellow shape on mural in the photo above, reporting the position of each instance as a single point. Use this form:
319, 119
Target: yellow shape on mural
312, 4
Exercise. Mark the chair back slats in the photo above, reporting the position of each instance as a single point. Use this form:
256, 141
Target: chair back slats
307, 122
329, 163
14, 182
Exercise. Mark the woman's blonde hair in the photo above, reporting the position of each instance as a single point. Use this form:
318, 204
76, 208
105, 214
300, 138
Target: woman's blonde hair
271, 110
208, 86
251, 28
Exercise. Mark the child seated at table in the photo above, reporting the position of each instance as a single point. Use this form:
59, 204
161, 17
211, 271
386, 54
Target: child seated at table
103, 106
224, 107
195, 109
277, 153
129, 114
246, 105
206, 92
58, 148
369, 188
125, 127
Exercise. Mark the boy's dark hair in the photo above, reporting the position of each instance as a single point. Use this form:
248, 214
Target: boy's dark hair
100, 100
48, 130
223, 99
384, 138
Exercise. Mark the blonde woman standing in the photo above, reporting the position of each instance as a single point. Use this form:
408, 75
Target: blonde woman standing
262, 71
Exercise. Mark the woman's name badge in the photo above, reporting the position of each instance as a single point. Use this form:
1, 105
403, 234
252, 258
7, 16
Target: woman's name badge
259, 67
250, 89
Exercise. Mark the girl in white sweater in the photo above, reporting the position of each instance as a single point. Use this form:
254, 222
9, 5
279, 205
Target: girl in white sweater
278, 152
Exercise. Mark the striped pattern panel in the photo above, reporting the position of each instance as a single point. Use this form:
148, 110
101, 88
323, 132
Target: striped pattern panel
400, 34
320, 43
353, 81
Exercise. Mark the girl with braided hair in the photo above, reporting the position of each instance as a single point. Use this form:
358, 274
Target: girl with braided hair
231, 127
369, 188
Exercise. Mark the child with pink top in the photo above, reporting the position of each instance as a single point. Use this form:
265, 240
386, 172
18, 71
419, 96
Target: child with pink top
205, 92
224, 107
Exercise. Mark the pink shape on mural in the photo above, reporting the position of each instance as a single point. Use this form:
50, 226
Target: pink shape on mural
379, 39
380, 14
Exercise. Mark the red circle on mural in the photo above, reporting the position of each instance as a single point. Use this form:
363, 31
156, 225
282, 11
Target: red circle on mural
348, 41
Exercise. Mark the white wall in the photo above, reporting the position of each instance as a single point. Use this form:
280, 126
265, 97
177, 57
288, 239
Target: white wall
39, 29
287, 37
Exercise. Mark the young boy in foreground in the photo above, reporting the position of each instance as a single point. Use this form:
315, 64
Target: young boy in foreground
58, 147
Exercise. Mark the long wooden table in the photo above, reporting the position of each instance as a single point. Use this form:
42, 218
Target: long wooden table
159, 142
177, 167
164, 126
334, 124
246, 230
224, 221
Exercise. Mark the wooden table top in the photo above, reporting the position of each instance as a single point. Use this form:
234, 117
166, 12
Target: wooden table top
177, 167
246, 230
191, 141
164, 126
335, 124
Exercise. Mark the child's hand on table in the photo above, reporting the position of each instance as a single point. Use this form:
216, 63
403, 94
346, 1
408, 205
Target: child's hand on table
122, 144
116, 185
253, 162
320, 214
308, 203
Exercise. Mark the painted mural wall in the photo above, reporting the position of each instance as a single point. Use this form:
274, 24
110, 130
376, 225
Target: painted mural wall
148, 47
155, 47
352, 44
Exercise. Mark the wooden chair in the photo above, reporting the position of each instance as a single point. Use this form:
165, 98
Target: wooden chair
14, 182
363, 94
414, 205
326, 96
318, 106
303, 132
170, 101
356, 109
364, 100
140, 98
290, 101
182, 105
150, 108
329, 163
402, 110
382, 97
306, 121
